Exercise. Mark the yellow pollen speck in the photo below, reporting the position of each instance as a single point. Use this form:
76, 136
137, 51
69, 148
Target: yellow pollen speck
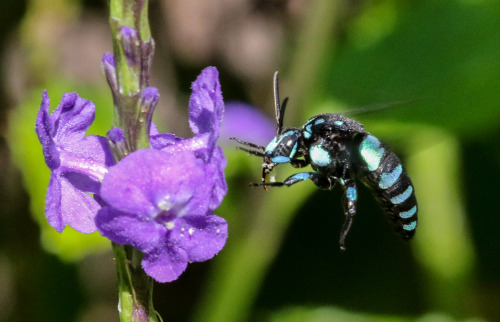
170, 225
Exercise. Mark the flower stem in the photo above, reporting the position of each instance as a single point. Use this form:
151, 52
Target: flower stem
135, 288
133, 50
128, 73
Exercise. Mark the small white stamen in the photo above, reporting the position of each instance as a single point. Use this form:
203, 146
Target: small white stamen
165, 204
170, 225
191, 231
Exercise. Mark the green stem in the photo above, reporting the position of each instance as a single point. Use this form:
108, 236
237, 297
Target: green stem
132, 74
133, 51
135, 288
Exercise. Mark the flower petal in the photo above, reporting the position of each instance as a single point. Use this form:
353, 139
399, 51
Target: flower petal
215, 178
63, 131
160, 141
124, 228
206, 105
198, 144
72, 118
78, 209
150, 181
149, 99
65, 203
166, 263
53, 204
44, 127
95, 148
202, 237
90, 156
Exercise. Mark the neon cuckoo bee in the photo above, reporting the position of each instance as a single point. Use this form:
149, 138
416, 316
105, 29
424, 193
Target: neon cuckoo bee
340, 150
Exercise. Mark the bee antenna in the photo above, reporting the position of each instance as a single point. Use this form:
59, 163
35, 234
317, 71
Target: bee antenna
278, 107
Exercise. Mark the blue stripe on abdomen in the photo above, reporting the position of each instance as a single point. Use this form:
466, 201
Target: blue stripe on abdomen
410, 226
403, 196
387, 180
371, 152
409, 213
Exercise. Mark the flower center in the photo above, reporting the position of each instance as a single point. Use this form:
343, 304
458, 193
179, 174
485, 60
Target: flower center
170, 225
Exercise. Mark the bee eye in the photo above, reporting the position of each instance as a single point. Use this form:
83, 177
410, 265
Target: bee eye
326, 132
326, 129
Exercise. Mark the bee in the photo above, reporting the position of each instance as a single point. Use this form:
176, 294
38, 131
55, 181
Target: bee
339, 150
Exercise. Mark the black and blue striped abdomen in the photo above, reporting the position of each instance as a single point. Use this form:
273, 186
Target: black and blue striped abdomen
381, 170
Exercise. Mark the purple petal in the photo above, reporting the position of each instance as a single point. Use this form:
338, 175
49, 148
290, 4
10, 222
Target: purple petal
214, 187
108, 65
94, 149
72, 118
202, 237
198, 144
117, 142
78, 208
166, 263
44, 127
67, 204
81, 182
153, 130
215, 175
150, 97
130, 40
108, 59
53, 204
206, 105
116, 135
246, 123
159, 141
90, 157
62, 135
128, 229
149, 181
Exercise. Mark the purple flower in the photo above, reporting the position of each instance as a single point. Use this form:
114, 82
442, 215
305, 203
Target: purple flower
205, 116
155, 209
161, 200
77, 162
247, 123
158, 200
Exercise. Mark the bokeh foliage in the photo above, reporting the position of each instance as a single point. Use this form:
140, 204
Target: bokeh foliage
281, 263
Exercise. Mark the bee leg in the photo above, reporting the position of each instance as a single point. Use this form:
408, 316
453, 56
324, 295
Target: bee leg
321, 181
349, 203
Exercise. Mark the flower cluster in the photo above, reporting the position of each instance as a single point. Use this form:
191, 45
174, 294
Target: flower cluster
159, 200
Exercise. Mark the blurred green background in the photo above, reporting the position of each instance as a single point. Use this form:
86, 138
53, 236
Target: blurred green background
438, 60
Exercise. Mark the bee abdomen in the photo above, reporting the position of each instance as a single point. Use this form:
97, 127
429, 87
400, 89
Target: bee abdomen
384, 174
